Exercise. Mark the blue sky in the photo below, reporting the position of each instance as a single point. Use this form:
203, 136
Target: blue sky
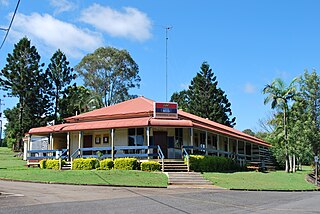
247, 43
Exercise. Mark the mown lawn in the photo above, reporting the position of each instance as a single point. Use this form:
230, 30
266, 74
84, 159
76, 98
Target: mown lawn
13, 168
274, 180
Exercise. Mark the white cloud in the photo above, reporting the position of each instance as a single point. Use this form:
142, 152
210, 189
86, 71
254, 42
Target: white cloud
62, 6
131, 23
50, 34
4, 2
249, 88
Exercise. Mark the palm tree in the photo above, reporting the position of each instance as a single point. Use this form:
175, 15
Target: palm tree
279, 95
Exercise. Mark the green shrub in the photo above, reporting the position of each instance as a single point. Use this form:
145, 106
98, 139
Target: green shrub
150, 166
106, 164
53, 164
85, 163
200, 163
126, 163
43, 164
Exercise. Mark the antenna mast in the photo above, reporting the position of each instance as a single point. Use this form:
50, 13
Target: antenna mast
167, 29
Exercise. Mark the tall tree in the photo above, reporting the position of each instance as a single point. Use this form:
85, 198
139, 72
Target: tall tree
78, 99
205, 99
111, 73
24, 78
61, 75
310, 92
279, 95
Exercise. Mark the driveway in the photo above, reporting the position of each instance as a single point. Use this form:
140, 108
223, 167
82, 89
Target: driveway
19, 197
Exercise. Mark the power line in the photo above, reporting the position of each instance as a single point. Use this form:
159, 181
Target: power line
14, 14
167, 28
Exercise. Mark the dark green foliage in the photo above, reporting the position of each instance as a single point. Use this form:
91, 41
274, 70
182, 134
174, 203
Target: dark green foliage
61, 75
150, 166
205, 99
43, 164
249, 132
126, 164
23, 77
200, 163
78, 99
110, 73
84, 163
106, 164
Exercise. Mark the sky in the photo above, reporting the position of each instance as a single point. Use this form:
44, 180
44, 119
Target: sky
247, 43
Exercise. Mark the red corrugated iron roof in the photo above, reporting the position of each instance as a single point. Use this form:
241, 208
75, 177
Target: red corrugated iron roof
109, 124
219, 128
138, 106
136, 113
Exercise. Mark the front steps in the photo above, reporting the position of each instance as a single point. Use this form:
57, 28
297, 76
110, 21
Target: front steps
66, 166
173, 165
187, 179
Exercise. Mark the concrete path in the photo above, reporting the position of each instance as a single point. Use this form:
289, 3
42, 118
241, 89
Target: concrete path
52, 198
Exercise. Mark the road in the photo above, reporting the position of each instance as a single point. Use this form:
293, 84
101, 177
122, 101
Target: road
19, 197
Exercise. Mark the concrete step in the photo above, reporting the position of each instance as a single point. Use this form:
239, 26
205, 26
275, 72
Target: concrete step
187, 178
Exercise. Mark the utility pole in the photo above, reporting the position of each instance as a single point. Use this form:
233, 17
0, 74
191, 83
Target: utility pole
1, 104
167, 29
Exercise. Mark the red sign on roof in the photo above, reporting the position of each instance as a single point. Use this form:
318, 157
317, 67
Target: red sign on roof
165, 110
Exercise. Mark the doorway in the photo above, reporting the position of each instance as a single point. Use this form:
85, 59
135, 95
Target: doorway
160, 138
87, 143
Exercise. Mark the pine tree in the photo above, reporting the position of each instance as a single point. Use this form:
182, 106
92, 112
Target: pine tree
24, 78
61, 75
205, 99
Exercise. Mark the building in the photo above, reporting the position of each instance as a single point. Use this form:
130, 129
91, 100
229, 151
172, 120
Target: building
136, 128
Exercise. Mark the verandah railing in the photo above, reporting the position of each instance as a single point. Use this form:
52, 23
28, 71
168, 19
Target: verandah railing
46, 154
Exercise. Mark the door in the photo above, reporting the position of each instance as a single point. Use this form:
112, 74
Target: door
160, 138
87, 143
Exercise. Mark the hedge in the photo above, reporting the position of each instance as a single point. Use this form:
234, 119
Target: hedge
200, 163
85, 163
126, 164
53, 164
106, 164
43, 164
150, 166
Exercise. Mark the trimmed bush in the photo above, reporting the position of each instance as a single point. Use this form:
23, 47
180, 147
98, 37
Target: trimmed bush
126, 163
150, 166
200, 163
53, 164
85, 163
106, 164
43, 164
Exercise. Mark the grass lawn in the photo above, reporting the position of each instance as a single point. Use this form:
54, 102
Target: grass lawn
13, 168
277, 180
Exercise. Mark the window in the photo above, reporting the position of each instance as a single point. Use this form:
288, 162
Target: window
136, 137
105, 139
97, 139
179, 138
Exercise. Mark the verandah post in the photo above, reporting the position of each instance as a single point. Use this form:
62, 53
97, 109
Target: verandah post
112, 144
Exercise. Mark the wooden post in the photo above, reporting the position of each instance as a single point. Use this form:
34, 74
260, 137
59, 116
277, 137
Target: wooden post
191, 139
148, 140
245, 150
112, 144
228, 147
218, 144
206, 143
51, 140
68, 145
80, 142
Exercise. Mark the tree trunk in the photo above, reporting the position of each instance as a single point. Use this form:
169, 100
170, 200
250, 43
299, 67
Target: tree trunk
290, 163
287, 164
294, 163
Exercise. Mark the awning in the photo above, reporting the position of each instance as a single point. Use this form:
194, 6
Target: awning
94, 125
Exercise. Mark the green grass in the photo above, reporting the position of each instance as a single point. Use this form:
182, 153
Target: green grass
275, 180
13, 168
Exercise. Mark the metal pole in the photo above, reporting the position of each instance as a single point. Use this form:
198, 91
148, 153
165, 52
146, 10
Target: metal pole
167, 28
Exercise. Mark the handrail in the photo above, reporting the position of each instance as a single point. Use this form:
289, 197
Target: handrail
187, 156
55, 153
161, 156
74, 153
